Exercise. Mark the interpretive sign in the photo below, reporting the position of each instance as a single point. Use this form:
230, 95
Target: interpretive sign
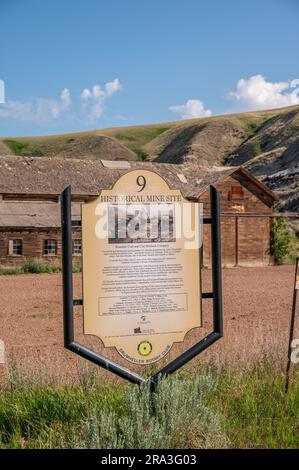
141, 266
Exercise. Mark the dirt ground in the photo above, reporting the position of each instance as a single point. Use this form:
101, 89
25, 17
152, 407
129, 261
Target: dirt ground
257, 309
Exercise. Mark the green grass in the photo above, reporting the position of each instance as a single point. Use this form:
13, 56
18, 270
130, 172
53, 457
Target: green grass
210, 410
226, 159
251, 128
282, 242
25, 149
9, 271
257, 149
77, 267
257, 412
49, 146
132, 137
136, 136
252, 125
37, 267
141, 154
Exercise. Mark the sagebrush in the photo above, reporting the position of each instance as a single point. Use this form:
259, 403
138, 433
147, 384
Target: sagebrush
209, 409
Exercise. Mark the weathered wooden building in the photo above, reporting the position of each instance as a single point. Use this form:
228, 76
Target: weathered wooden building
30, 205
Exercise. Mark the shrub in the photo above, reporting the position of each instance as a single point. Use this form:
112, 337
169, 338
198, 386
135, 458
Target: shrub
141, 154
227, 158
251, 128
176, 416
257, 149
38, 267
77, 268
282, 240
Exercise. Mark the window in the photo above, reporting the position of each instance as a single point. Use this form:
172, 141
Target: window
15, 247
236, 192
77, 247
50, 247
76, 223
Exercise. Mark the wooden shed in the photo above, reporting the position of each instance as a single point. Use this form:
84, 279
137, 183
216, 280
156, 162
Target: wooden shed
30, 209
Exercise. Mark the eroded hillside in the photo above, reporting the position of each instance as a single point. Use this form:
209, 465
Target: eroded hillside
272, 154
265, 142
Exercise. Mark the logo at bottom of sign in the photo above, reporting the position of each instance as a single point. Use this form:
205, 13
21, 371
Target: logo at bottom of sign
145, 353
144, 348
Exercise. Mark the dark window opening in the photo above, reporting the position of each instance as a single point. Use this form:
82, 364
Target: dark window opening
15, 247
76, 223
50, 247
236, 192
77, 247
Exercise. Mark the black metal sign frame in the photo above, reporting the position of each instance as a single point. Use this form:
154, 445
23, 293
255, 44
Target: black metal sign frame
69, 301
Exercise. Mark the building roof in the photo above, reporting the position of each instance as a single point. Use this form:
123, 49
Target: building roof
31, 185
44, 214
46, 176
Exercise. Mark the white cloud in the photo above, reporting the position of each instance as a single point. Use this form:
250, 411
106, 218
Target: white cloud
66, 98
113, 87
191, 109
93, 101
294, 83
39, 110
16, 110
2, 91
45, 110
256, 93
96, 112
85, 94
97, 92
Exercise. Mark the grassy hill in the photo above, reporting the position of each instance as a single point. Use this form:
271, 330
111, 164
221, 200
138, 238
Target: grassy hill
140, 142
266, 142
110, 144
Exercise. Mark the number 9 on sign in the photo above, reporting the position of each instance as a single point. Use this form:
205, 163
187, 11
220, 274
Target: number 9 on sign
141, 182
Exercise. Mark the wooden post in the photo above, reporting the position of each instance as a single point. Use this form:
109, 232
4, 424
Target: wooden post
292, 326
3, 364
237, 241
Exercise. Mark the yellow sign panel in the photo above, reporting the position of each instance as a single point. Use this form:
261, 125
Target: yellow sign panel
141, 267
297, 277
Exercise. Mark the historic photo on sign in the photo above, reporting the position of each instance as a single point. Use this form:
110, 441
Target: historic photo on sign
135, 223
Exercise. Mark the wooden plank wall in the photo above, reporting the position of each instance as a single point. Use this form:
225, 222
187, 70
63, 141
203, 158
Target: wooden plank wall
33, 241
245, 228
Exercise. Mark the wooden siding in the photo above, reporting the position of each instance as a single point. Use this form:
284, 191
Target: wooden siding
253, 241
33, 243
245, 241
245, 227
249, 204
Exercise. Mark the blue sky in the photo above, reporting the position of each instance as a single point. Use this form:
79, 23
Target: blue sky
79, 65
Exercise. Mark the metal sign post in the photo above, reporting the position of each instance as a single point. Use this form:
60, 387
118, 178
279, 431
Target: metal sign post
69, 302
292, 326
